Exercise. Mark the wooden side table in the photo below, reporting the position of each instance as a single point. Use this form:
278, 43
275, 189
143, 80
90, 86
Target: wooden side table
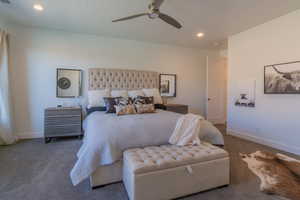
178, 108
62, 122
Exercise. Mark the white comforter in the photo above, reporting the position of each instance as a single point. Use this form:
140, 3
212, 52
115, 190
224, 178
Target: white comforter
108, 135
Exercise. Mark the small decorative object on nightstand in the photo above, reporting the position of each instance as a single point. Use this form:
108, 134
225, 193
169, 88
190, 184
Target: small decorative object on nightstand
62, 122
178, 108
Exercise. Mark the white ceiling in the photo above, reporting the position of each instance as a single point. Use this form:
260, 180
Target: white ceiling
216, 18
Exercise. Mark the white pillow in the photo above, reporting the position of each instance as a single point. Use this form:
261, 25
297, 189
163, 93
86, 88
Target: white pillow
155, 94
119, 93
95, 97
135, 93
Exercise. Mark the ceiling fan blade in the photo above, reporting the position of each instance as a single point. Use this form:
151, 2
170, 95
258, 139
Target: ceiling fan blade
157, 3
5, 1
130, 17
170, 20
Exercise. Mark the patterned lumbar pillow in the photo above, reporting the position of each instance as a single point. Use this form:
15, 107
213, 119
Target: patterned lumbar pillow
124, 106
144, 108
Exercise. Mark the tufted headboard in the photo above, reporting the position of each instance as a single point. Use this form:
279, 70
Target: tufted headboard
101, 78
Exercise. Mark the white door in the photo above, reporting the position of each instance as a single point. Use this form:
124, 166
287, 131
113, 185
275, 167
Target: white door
216, 89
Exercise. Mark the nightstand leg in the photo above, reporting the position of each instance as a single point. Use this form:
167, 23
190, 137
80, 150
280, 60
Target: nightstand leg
47, 140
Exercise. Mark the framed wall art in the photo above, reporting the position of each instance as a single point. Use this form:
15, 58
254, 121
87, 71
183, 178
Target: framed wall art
246, 95
167, 85
282, 78
68, 83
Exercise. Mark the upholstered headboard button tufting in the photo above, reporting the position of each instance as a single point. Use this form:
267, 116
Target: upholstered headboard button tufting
101, 78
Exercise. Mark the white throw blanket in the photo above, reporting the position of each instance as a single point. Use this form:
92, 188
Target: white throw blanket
187, 131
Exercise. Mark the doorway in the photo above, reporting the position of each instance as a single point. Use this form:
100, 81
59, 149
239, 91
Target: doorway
217, 75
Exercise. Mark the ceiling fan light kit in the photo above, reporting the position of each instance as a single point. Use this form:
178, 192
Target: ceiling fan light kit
154, 13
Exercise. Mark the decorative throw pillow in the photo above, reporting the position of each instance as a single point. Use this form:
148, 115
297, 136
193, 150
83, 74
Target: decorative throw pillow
124, 106
143, 100
95, 97
155, 94
121, 101
144, 108
110, 103
149, 100
139, 100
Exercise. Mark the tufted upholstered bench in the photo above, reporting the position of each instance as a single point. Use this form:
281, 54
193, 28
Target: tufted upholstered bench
167, 172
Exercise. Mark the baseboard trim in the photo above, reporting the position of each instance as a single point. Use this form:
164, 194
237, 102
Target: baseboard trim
29, 135
264, 141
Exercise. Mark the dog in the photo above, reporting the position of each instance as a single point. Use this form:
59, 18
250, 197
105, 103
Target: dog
279, 174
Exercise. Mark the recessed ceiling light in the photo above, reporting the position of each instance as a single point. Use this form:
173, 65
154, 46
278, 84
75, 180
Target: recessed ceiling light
200, 35
38, 7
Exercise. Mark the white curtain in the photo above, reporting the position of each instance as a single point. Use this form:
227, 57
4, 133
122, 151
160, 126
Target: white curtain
6, 124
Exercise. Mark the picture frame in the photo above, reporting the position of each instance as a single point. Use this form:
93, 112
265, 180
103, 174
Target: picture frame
246, 93
68, 83
282, 78
167, 85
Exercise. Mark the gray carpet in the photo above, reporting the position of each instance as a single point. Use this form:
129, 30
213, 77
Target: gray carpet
32, 170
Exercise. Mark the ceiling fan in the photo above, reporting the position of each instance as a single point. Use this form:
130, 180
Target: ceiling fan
5, 1
154, 13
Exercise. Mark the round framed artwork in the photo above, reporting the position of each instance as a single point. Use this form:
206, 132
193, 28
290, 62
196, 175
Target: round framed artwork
64, 83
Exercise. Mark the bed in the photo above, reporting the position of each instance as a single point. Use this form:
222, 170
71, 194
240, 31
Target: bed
108, 135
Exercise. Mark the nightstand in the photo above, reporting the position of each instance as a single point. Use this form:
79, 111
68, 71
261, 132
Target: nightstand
62, 122
178, 108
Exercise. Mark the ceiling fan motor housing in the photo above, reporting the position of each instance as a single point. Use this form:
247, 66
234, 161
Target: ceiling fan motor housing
153, 11
153, 15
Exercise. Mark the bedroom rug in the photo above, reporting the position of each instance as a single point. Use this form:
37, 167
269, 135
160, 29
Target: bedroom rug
278, 173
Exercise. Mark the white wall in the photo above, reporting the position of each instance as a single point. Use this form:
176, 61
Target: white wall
224, 53
276, 119
36, 53
3, 23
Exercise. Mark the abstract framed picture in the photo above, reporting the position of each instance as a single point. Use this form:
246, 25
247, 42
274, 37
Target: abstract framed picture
283, 78
167, 85
68, 83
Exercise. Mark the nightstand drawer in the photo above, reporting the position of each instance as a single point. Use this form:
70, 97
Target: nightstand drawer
63, 130
62, 112
62, 120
